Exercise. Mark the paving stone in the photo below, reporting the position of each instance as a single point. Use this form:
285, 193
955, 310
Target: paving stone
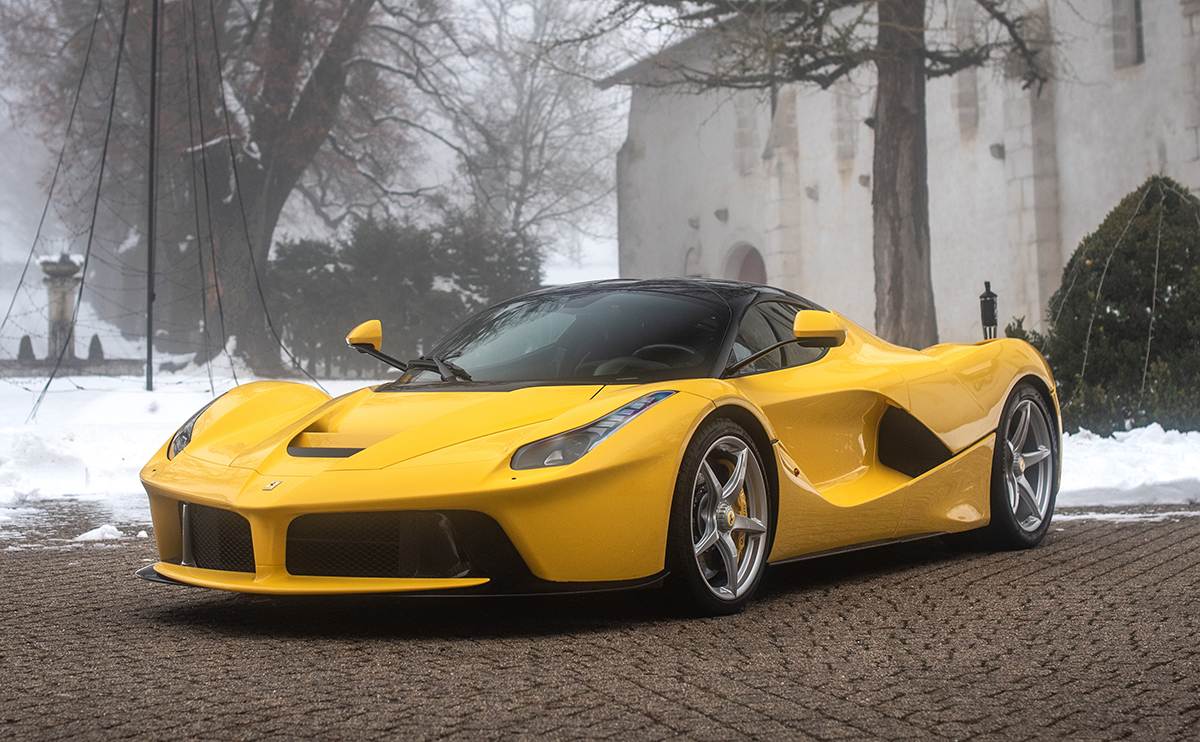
1093, 635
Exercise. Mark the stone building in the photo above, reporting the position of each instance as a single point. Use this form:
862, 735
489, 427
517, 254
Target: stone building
725, 184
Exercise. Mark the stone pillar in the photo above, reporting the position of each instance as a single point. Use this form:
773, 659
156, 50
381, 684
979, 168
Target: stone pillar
783, 251
1031, 160
62, 285
1191, 76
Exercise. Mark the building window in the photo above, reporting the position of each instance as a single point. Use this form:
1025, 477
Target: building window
745, 139
845, 99
966, 91
1129, 46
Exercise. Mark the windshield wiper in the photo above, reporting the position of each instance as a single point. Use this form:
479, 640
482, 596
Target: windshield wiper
448, 370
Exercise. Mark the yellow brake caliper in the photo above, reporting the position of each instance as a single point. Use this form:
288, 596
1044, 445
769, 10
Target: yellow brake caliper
739, 538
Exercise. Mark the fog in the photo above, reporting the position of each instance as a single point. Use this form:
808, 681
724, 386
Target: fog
27, 167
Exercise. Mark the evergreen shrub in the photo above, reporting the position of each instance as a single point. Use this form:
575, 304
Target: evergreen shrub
419, 280
1124, 338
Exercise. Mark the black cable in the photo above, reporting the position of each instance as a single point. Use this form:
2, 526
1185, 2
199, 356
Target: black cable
241, 205
112, 104
196, 209
207, 195
152, 191
58, 167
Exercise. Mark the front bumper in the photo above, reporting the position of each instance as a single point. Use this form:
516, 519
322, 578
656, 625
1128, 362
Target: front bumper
600, 523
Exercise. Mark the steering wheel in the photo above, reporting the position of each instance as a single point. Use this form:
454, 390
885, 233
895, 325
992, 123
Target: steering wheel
627, 363
687, 356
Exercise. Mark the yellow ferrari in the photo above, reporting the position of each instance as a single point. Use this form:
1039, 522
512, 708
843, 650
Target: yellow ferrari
610, 435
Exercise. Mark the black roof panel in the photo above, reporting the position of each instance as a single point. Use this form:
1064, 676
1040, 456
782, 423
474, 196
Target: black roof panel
733, 293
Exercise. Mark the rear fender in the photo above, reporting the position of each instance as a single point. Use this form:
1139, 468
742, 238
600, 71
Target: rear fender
987, 372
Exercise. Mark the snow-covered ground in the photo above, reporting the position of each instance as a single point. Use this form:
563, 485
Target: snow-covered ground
91, 435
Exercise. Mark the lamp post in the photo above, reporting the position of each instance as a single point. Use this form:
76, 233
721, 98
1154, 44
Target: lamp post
150, 204
987, 311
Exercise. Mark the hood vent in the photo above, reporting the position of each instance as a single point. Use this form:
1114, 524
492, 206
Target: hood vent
326, 452
320, 445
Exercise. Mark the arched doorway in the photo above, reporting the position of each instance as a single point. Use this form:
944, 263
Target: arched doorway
746, 264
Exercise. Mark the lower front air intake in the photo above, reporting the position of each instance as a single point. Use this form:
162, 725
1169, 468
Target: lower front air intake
388, 544
215, 539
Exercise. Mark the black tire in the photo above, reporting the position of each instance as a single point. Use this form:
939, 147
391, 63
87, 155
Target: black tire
1024, 489
715, 525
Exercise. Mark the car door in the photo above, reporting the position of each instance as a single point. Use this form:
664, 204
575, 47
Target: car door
824, 406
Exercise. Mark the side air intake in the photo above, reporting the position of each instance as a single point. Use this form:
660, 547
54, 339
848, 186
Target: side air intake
908, 446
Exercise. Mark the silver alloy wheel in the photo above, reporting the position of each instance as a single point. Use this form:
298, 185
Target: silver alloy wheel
1029, 466
730, 513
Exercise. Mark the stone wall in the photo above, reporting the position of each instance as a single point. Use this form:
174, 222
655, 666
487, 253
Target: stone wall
1017, 177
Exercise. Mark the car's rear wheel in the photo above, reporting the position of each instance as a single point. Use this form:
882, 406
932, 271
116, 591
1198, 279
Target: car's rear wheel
1025, 469
722, 520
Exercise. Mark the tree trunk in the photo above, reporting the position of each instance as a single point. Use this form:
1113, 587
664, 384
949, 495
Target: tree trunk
241, 277
291, 124
904, 311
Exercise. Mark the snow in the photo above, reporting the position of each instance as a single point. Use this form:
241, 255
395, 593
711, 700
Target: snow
1123, 517
1144, 466
102, 533
91, 436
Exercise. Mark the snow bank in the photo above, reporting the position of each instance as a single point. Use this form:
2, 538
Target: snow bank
1144, 466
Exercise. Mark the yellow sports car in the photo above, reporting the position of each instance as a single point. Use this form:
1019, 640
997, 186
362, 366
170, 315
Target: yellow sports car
610, 435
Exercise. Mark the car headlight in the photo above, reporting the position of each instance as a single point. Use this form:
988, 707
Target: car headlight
183, 436
569, 447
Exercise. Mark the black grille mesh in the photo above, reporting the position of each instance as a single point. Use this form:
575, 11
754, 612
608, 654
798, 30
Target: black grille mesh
396, 544
220, 539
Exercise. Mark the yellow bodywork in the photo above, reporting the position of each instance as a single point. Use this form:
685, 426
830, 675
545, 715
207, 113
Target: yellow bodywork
369, 333
605, 517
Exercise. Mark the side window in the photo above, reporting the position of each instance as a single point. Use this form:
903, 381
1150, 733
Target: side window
756, 334
764, 325
783, 318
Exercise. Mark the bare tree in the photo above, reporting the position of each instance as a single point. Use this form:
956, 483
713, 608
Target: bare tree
761, 44
533, 136
310, 99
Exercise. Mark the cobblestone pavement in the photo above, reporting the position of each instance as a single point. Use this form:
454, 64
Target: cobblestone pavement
1094, 635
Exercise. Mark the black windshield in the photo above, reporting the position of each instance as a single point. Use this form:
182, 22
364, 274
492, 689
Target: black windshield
598, 336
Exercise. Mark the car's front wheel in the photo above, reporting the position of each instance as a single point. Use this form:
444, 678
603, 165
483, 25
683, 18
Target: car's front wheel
722, 519
1025, 468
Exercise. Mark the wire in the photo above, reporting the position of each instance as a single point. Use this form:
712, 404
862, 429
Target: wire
241, 205
196, 210
112, 103
1162, 210
1096, 302
61, 155
207, 194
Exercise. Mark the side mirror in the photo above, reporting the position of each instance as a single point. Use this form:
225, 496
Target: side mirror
367, 337
369, 333
816, 329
